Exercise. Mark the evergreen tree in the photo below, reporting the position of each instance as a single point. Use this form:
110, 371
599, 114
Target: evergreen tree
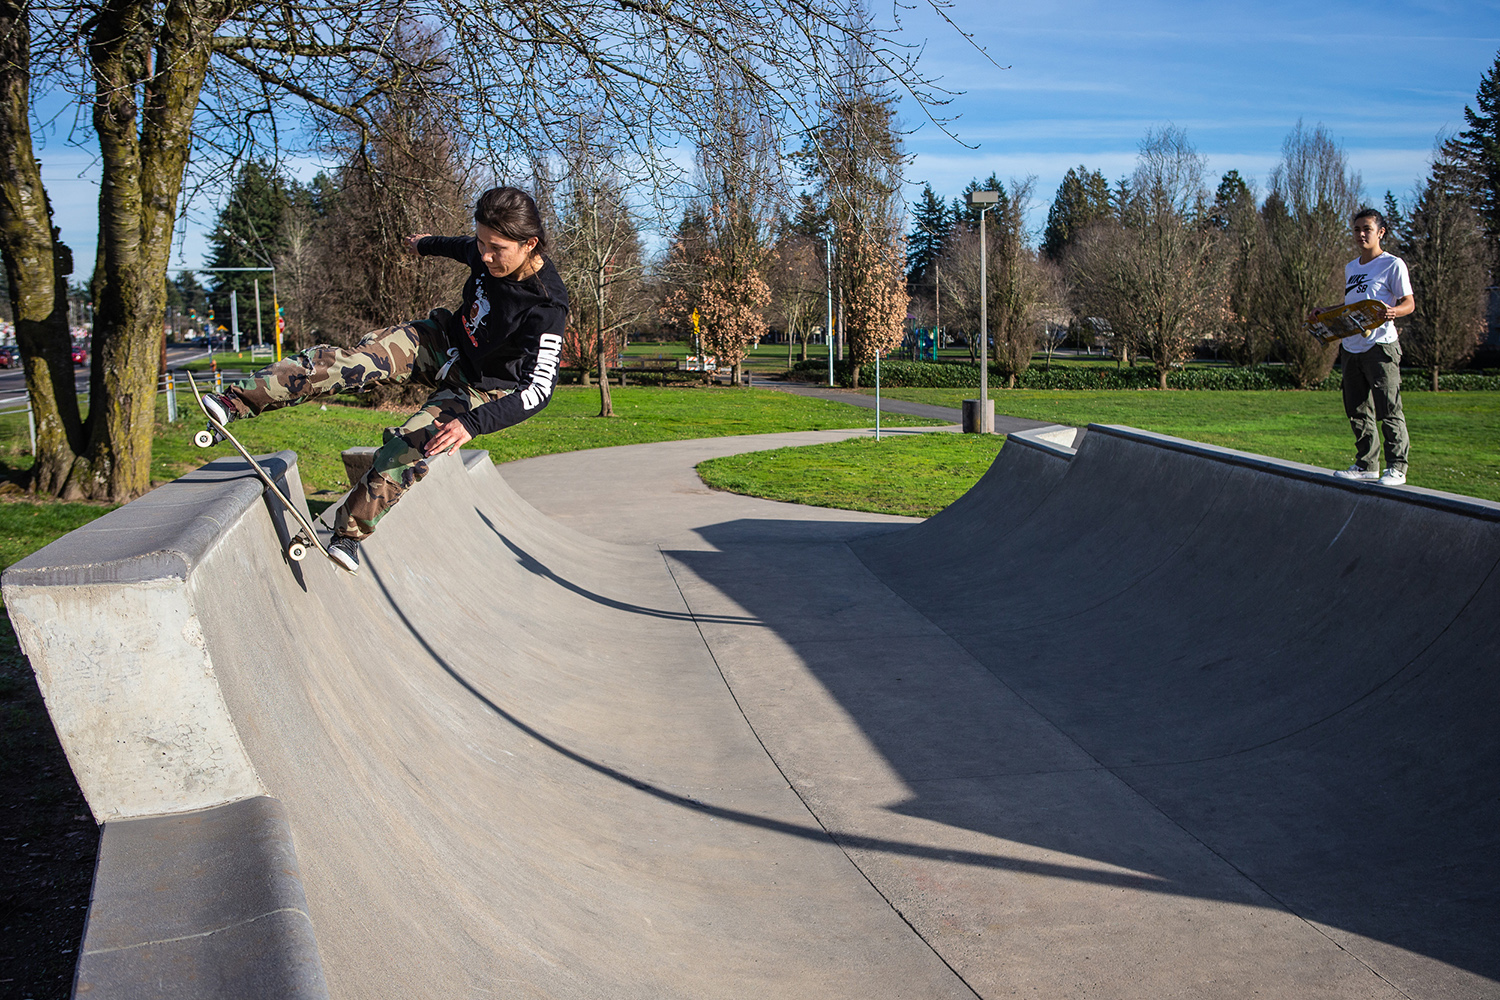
1235, 215
1445, 250
248, 234
968, 217
1082, 197
1477, 165
1230, 201
1396, 235
931, 226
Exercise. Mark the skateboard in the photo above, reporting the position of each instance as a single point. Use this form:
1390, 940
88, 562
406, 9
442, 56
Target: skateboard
1348, 320
307, 537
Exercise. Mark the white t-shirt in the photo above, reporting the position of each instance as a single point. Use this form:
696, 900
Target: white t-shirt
1383, 278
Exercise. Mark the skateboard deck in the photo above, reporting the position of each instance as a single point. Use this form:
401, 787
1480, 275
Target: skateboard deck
1348, 320
296, 549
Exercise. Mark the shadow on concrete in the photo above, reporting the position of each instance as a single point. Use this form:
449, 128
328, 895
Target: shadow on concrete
1300, 679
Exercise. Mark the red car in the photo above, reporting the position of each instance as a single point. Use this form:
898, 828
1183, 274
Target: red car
80, 355
9, 357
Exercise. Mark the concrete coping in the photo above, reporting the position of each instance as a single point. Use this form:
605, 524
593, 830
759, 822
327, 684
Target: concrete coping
1058, 440
162, 535
1435, 499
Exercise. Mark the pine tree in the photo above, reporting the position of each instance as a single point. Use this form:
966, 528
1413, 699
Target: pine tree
1445, 251
1396, 234
968, 217
1478, 162
1082, 198
931, 225
1230, 201
248, 234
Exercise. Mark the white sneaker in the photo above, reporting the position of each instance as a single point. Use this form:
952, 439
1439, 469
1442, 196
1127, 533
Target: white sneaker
218, 407
1393, 477
1355, 472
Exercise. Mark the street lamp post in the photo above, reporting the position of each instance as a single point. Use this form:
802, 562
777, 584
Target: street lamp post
984, 201
828, 328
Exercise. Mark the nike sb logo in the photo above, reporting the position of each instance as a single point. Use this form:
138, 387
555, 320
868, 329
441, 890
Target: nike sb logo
1357, 283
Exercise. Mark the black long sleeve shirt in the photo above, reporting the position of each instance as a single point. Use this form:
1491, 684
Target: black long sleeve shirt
509, 335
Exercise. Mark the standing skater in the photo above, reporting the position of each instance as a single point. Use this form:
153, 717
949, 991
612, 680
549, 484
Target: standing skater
490, 367
1371, 362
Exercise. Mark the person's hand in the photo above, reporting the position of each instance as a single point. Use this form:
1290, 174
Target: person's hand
409, 244
1389, 313
1312, 316
450, 437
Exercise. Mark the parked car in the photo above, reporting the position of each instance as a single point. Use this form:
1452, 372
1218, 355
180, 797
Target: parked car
80, 355
8, 357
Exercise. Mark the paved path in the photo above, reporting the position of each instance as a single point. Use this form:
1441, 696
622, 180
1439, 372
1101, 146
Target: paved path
1155, 720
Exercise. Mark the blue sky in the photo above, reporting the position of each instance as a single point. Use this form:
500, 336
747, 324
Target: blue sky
1086, 79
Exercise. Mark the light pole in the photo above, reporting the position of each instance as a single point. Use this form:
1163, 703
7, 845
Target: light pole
828, 329
985, 424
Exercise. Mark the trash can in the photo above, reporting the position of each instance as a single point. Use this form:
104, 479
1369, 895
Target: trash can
971, 417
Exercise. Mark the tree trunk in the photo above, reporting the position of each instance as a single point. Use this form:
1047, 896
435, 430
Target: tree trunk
854, 373
1010, 383
144, 150
606, 408
1434, 378
36, 265
1161, 379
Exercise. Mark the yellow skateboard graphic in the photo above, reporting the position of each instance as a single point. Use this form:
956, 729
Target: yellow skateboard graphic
1348, 320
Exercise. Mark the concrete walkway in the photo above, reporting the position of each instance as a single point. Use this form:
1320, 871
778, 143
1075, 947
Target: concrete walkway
1003, 423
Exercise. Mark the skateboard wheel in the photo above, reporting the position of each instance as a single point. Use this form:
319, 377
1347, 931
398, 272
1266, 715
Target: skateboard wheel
203, 439
296, 552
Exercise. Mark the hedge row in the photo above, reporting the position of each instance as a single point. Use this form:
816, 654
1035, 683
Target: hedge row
897, 374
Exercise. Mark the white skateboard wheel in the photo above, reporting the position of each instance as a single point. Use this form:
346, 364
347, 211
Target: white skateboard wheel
296, 552
203, 439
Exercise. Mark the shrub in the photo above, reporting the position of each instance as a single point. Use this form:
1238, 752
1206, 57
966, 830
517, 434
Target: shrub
896, 374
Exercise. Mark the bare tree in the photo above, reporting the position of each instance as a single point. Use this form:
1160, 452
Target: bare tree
160, 78
599, 251
1161, 277
797, 280
1306, 233
37, 264
740, 167
1446, 254
856, 159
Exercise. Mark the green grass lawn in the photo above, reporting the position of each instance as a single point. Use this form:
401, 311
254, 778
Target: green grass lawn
1455, 436
569, 423
1455, 443
912, 474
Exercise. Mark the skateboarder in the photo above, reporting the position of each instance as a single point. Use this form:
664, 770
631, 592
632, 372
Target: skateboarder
1371, 362
489, 367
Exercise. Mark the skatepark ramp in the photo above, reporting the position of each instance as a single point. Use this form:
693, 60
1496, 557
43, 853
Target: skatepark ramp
1146, 719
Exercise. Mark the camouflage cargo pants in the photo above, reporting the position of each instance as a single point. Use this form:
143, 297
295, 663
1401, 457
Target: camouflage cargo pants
412, 352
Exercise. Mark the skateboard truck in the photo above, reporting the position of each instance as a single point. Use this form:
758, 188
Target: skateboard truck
306, 537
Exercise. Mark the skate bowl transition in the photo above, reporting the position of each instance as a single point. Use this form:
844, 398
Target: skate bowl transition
1145, 719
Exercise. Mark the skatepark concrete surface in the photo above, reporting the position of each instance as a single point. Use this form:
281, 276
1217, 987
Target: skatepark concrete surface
1148, 719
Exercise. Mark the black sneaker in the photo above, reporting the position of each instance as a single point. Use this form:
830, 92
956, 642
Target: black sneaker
345, 551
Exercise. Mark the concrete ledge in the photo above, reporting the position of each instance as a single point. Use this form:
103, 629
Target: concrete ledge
163, 534
1058, 439
1435, 499
205, 904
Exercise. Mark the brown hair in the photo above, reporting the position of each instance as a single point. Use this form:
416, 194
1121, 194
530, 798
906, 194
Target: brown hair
510, 212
